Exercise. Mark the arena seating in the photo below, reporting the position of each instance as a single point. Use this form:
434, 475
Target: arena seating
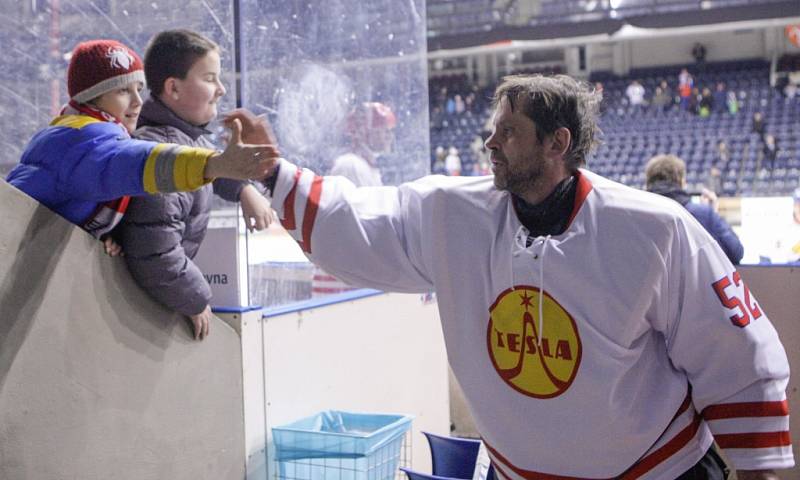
633, 134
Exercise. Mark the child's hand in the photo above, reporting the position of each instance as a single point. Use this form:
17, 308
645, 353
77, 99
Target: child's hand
256, 209
200, 323
113, 249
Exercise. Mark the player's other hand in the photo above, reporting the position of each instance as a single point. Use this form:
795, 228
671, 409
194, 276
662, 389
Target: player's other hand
241, 161
255, 128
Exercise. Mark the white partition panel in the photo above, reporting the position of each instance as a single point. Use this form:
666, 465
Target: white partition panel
384, 353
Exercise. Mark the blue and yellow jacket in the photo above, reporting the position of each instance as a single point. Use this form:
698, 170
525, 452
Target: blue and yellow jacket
79, 162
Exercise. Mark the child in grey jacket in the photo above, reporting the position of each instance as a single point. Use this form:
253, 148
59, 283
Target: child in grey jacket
161, 234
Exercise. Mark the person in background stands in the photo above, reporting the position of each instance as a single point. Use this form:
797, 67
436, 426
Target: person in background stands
666, 175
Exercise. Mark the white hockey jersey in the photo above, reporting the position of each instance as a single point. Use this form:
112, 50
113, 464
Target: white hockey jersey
613, 350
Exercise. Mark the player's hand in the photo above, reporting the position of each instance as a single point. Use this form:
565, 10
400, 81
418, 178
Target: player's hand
256, 209
200, 323
255, 128
241, 161
113, 249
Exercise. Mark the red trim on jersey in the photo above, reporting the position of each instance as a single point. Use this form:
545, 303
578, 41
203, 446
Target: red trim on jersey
684, 406
746, 409
754, 440
312, 205
667, 450
581, 192
636, 471
288, 221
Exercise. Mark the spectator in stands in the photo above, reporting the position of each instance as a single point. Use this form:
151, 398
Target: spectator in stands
694, 101
661, 101
567, 301
759, 126
715, 181
438, 160
732, 103
635, 93
436, 118
720, 98
685, 78
685, 86
481, 156
450, 106
370, 133
666, 175
452, 163
598, 87
85, 164
770, 151
723, 155
706, 105
666, 88
469, 102
162, 234
459, 104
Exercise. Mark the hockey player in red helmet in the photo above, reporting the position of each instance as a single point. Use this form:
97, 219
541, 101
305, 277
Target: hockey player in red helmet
370, 132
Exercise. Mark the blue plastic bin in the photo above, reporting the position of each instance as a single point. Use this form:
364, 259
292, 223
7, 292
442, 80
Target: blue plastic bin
340, 445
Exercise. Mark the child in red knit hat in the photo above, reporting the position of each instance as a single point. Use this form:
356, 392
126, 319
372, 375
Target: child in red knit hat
85, 163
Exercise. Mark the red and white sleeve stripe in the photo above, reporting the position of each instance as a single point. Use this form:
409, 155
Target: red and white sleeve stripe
754, 435
296, 200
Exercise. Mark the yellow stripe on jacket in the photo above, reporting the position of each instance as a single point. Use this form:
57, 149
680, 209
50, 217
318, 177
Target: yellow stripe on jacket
73, 121
173, 168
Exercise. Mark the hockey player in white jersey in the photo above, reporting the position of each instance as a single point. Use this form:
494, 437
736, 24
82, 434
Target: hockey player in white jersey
597, 331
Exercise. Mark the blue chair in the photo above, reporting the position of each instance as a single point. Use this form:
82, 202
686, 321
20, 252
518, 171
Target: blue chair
453, 457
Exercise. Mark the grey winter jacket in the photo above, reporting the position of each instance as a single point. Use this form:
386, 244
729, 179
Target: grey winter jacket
160, 234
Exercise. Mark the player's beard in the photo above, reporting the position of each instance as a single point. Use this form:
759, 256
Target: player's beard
520, 177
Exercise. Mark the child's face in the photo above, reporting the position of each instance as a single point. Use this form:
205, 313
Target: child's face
123, 103
196, 96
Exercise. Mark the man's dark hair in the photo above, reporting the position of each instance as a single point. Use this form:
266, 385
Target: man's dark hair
172, 53
553, 102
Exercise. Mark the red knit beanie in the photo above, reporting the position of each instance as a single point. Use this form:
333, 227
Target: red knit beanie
99, 66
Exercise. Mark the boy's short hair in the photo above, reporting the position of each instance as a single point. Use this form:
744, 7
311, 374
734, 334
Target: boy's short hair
665, 168
172, 53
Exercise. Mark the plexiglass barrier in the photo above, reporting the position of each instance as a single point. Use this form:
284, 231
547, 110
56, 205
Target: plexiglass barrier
334, 77
344, 84
38, 36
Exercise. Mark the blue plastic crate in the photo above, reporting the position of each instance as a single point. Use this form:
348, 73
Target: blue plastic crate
341, 446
